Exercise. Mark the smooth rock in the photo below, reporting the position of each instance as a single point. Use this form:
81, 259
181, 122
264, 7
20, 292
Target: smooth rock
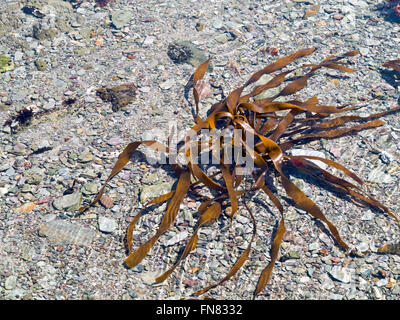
167, 84
10, 283
267, 94
69, 202
177, 238
18, 56
49, 105
150, 276
3, 191
313, 246
19, 149
49, 217
222, 38
114, 141
187, 52
34, 175
341, 274
107, 225
121, 18
363, 246
149, 40
367, 216
264, 79
86, 157
61, 231
378, 176
217, 23
89, 188
148, 192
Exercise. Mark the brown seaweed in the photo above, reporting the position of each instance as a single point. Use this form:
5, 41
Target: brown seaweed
273, 136
394, 64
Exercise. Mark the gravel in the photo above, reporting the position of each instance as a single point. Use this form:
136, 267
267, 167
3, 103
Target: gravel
49, 253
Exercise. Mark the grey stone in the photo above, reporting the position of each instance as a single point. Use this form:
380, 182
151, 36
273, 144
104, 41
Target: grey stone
363, 51
396, 290
18, 56
10, 172
3, 191
86, 156
60, 83
27, 253
114, 141
49, 217
61, 231
363, 246
90, 99
149, 40
358, 3
89, 173
85, 32
222, 38
313, 246
69, 202
107, 225
187, 215
121, 18
217, 23
367, 216
148, 192
89, 188
177, 238
5, 166
34, 175
151, 178
167, 84
264, 79
267, 94
341, 274
335, 296
150, 276
19, 149
49, 105
365, 272
378, 176
187, 52
10, 282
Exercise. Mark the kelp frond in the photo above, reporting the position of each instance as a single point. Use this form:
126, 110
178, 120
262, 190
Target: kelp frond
273, 135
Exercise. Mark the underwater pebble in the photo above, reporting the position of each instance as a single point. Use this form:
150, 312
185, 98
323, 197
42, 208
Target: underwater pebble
68, 202
60, 231
107, 225
341, 274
